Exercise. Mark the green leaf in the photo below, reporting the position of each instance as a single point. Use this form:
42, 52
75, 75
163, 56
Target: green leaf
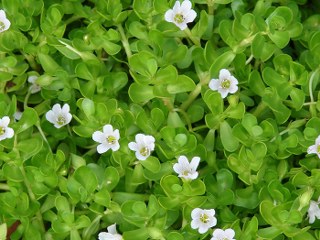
152, 164
229, 142
223, 61
143, 63
86, 178
3, 231
28, 119
182, 84
140, 93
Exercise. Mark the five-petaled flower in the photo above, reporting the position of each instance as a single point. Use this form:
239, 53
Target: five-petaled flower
314, 211
180, 15
4, 22
112, 234
219, 234
143, 146
203, 219
225, 84
34, 88
5, 131
185, 169
108, 139
59, 116
315, 148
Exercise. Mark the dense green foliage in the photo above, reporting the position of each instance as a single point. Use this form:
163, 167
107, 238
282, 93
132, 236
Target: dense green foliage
119, 62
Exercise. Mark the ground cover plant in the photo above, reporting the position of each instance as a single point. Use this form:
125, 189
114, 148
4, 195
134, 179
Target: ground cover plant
159, 119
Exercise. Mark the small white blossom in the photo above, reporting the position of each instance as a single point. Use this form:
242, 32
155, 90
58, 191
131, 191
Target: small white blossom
59, 116
143, 146
5, 131
4, 22
314, 211
34, 88
112, 234
203, 219
225, 84
185, 169
219, 234
315, 148
108, 139
17, 115
180, 15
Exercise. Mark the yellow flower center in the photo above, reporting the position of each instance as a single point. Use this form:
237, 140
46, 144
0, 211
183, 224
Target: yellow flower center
318, 148
204, 218
185, 172
61, 120
111, 140
145, 151
178, 18
2, 131
2, 26
225, 83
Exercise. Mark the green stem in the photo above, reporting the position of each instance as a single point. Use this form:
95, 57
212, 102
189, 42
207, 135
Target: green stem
194, 39
204, 80
261, 107
124, 41
4, 186
186, 118
32, 197
312, 108
25, 103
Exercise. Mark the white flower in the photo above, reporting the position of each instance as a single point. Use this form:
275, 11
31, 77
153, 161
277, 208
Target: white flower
4, 22
225, 84
203, 219
111, 234
5, 131
180, 15
143, 146
108, 139
315, 148
185, 169
17, 115
219, 234
34, 88
59, 116
314, 211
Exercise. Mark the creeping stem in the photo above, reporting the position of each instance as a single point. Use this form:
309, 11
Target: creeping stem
312, 106
195, 40
124, 41
204, 80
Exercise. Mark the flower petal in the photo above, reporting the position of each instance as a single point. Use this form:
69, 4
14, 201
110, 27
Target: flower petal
108, 129
51, 116
5, 121
102, 148
9, 132
195, 162
56, 108
214, 84
190, 16
65, 108
98, 136
224, 74
185, 6
133, 146
169, 16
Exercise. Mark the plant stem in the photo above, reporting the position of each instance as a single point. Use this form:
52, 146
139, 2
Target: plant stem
312, 108
124, 41
4, 186
32, 197
204, 79
261, 107
193, 39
